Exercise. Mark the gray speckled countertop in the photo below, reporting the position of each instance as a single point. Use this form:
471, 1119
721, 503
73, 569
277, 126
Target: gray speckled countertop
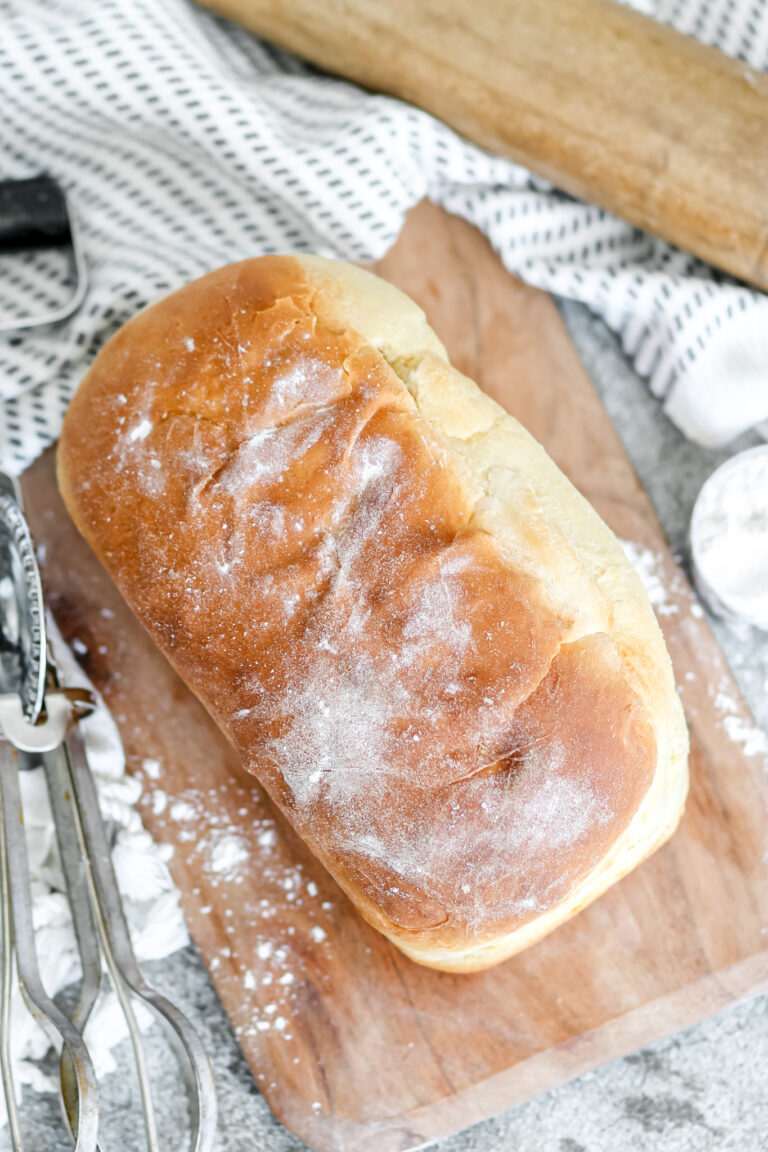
701, 1090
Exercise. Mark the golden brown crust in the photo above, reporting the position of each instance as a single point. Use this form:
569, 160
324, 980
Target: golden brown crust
462, 743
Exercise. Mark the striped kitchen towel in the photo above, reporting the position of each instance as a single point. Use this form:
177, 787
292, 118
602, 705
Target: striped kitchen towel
187, 143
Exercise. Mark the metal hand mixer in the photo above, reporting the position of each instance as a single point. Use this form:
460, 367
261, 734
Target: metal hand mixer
39, 723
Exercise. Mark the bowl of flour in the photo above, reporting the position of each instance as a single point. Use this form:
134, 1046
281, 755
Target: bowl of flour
729, 539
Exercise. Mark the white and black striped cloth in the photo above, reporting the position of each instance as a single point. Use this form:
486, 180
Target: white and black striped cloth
186, 143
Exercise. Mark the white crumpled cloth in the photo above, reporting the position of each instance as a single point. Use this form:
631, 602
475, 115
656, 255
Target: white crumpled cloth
186, 143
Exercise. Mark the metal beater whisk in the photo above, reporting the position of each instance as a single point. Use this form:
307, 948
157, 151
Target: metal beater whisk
39, 724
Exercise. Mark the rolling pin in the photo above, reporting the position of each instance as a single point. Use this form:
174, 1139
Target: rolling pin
608, 105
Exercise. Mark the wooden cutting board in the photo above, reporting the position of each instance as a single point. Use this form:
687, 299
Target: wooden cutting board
354, 1046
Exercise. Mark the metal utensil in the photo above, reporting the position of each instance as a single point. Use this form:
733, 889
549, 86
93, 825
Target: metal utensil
39, 721
36, 213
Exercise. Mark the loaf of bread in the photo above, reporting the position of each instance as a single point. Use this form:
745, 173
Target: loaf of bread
421, 639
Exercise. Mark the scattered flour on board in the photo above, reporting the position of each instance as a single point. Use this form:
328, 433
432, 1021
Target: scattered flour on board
729, 536
753, 740
181, 810
244, 859
649, 566
228, 853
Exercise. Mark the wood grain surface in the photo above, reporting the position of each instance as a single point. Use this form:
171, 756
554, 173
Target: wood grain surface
609, 105
354, 1047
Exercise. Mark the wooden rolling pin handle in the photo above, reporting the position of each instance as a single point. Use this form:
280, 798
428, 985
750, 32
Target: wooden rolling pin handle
609, 105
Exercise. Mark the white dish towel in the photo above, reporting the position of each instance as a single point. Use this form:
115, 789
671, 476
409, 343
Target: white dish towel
186, 143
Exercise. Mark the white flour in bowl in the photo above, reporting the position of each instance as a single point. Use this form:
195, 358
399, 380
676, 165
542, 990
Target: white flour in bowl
729, 538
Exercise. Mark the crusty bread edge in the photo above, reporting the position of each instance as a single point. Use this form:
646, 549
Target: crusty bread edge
461, 414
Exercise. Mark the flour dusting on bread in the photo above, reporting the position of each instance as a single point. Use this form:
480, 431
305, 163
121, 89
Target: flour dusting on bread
428, 650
